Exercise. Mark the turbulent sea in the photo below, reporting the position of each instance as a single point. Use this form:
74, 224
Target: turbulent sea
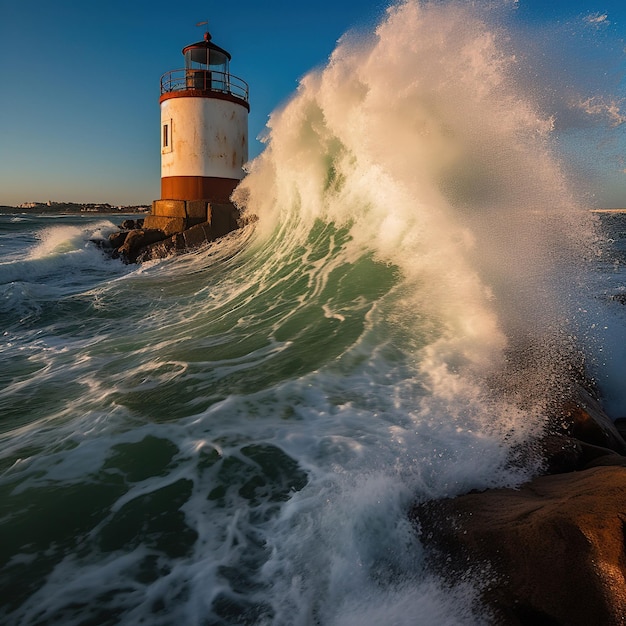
235, 436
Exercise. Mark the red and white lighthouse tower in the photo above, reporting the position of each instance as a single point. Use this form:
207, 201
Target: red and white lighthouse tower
204, 139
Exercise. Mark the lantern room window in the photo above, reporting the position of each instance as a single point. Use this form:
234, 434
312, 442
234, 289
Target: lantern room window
206, 58
206, 67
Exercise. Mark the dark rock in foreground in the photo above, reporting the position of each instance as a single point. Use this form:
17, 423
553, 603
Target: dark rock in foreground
552, 552
584, 419
131, 224
554, 549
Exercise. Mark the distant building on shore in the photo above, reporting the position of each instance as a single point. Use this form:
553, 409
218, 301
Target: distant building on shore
80, 207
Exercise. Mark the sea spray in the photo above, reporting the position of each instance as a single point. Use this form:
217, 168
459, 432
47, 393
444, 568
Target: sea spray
236, 435
50, 250
420, 142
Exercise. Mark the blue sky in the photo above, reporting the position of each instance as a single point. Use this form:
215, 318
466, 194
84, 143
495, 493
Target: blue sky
79, 113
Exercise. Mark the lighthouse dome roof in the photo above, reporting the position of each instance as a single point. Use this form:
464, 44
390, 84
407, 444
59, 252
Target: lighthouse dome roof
202, 47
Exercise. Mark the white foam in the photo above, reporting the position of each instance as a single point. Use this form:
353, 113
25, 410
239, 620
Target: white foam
453, 179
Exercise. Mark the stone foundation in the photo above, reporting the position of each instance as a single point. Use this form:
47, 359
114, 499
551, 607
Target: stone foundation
176, 216
172, 227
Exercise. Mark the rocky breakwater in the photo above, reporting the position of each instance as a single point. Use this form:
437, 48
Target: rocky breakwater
172, 227
553, 551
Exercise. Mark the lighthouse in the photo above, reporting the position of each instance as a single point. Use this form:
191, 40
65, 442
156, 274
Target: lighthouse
204, 142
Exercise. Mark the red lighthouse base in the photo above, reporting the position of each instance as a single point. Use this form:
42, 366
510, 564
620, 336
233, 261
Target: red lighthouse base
187, 201
207, 188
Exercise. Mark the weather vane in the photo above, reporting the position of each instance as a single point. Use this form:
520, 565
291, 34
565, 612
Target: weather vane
206, 34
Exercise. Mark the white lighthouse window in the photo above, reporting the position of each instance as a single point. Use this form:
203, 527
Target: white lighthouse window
166, 136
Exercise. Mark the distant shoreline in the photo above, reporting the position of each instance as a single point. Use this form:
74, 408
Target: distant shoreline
73, 208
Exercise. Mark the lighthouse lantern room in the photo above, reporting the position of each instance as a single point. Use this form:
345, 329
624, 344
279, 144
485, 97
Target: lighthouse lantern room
204, 139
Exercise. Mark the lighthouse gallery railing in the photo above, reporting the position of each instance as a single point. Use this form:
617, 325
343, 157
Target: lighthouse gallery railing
204, 80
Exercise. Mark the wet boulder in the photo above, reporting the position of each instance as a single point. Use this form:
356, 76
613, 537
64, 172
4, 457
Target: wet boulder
551, 552
116, 240
584, 419
189, 239
137, 240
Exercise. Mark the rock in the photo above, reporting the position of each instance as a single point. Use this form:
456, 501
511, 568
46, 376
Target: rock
137, 240
129, 225
561, 454
565, 454
620, 425
223, 218
604, 460
554, 549
169, 225
162, 249
584, 419
189, 239
578, 433
116, 240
